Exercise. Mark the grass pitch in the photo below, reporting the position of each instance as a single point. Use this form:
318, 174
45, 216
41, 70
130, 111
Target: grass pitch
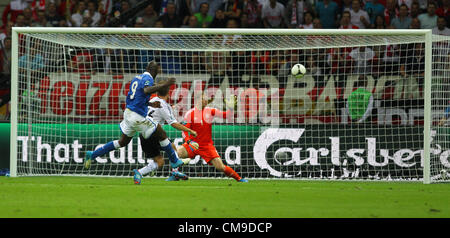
74, 197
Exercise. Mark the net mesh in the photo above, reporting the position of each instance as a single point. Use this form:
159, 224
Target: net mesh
356, 114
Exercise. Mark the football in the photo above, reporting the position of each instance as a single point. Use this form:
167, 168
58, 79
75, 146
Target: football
298, 70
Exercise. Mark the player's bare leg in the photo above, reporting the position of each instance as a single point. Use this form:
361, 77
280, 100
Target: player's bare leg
112, 145
218, 164
153, 165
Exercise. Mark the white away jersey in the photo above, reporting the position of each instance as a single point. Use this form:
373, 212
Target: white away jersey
161, 115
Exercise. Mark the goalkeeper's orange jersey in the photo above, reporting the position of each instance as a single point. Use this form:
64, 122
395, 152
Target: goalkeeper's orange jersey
201, 122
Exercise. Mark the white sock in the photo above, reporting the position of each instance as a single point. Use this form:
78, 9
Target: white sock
165, 142
149, 168
116, 144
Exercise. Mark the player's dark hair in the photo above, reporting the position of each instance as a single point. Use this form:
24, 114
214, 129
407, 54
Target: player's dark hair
163, 91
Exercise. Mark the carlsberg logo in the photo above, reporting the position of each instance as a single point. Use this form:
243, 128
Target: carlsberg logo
403, 157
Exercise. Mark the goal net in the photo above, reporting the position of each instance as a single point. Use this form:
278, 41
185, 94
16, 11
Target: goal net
359, 113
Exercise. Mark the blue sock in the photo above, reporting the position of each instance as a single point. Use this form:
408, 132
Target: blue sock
103, 150
173, 157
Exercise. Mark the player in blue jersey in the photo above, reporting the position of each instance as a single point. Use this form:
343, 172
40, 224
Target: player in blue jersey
135, 118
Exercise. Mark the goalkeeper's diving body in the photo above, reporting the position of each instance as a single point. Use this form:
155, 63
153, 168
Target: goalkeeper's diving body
151, 146
200, 120
135, 118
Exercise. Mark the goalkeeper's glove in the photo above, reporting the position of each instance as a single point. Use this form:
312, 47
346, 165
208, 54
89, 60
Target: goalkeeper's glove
231, 102
193, 145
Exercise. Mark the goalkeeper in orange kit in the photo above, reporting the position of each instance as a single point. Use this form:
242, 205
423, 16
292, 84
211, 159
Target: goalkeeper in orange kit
200, 120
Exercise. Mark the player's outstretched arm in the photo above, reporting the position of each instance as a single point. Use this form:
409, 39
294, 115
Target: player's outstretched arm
180, 127
157, 87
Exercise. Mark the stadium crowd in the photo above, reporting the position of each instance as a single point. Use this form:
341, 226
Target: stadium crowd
302, 14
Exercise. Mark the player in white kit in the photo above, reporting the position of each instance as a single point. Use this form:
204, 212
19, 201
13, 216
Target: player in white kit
151, 147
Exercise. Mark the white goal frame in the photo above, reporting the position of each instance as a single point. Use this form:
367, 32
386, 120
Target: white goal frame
427, 34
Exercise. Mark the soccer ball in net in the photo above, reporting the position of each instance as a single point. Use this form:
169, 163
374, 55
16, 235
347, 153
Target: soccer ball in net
298, 70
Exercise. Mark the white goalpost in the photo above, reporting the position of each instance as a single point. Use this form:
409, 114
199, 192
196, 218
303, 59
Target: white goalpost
69, 87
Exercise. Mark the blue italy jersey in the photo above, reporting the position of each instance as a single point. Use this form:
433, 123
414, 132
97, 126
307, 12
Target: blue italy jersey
137, 100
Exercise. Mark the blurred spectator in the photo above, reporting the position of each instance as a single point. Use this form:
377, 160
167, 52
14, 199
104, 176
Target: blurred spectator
64, 23
414, 62
28, 16
244, 20
327, 11
277, 59
219, 20
52, 15
403, 21
390, 58
414, 65
6, 31
194, 6
77, 17
182, 9
124, 6
295, 11
253, 10
20, 20
232, 8
203, 18
408, 3
192, 22
422, 5
292, 57
259, 60
94, 17
142, 57
171, 19
5, 56
239, 66
194, 63
373, 9
42, 20
217, 63
338, 64
444, 10
345, 21
390, 12
362, 58
66, 7
441, 28
415, 23
315, 68
82, 61
428, 20
158, 24
379, 23
415, 10
317, 24
105, 7
273, 14
139, 22
108, 61
32, 59
346, 6
359, 17
14, 8
149, 16
308, 21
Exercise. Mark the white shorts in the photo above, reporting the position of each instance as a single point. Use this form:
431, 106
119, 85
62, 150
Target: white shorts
133, 122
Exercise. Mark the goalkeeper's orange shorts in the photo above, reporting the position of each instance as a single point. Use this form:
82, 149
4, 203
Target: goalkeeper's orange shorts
207, 152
